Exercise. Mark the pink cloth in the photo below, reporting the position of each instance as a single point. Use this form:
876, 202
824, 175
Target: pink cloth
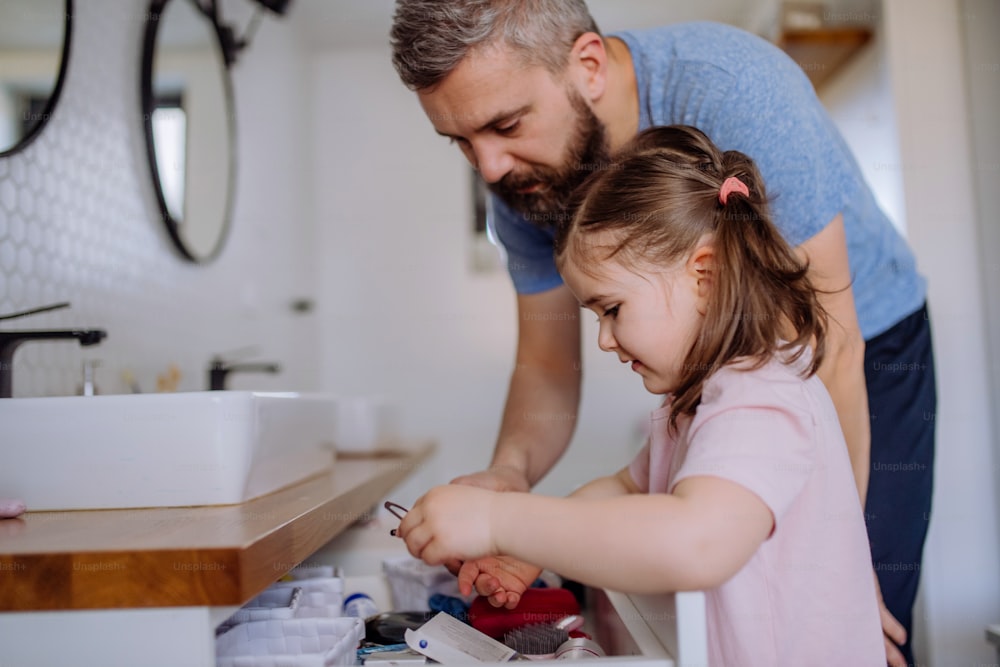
11, 508
807, 596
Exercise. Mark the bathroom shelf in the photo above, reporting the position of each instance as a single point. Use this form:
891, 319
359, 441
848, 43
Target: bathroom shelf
823, 51
188, 556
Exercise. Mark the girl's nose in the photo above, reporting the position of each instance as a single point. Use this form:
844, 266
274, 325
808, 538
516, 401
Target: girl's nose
605, 339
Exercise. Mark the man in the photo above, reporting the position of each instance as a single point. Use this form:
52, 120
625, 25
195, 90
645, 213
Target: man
537, 99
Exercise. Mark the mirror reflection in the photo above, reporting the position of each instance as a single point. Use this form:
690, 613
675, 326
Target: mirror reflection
187, 112
34, 49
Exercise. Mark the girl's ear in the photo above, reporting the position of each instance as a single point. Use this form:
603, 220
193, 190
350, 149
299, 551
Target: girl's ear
701, 269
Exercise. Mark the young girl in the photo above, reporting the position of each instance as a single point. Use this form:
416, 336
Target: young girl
744, 489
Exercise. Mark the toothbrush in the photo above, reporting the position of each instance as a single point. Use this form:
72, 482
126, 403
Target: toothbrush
129, 379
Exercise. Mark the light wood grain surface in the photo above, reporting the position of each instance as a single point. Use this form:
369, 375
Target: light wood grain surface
187, 556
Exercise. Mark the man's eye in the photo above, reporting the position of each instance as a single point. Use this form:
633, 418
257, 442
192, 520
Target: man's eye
508, 129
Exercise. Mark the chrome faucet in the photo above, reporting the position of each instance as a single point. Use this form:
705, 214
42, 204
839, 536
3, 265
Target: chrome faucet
218, 370
10, 340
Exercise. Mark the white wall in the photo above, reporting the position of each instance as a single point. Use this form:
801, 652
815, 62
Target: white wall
980, 19
859, 99
961, 578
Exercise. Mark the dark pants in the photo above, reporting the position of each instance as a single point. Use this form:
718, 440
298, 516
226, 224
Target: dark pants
899, 370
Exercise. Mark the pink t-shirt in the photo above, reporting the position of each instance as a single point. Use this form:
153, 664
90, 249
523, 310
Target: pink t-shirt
807, 596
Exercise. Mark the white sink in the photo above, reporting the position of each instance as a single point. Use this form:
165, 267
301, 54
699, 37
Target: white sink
161, 450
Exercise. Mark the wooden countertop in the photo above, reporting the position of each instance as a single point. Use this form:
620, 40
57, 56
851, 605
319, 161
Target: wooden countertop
187, 556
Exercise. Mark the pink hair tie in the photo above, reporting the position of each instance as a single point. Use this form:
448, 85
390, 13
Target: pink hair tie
730, 185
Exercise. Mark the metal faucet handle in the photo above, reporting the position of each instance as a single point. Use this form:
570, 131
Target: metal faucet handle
236, 354
11, 340
219, 370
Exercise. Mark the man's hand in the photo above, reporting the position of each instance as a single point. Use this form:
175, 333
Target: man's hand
502, 580
893, 632
497, 478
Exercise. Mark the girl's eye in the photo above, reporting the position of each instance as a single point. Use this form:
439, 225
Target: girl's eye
611, 312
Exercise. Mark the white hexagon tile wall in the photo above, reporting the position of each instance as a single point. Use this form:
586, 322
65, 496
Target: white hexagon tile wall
78, 223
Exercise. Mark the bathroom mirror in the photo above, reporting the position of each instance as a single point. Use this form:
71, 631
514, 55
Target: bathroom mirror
189, 126
34, 51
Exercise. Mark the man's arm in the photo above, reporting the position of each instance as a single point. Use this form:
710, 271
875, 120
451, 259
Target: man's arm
544, 394
843, 370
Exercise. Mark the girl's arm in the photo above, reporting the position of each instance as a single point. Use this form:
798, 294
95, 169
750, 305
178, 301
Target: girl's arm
695, 538
619, 484
502, 580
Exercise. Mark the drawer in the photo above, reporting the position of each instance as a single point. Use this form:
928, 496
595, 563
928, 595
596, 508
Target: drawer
637, 631
634, 630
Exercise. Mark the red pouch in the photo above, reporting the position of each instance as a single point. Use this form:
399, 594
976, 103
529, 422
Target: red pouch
537, 605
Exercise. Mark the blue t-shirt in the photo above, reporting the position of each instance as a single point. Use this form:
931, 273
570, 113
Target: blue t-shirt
747, 95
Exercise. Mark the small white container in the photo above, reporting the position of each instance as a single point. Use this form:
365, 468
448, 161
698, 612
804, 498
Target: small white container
312, 572
273, 603
366, 424
412, 582
322, 597
306, 642
360, 605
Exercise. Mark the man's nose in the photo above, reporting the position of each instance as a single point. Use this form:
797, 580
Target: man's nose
492, 161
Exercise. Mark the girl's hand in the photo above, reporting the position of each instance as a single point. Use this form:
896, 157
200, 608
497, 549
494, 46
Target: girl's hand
501, 579
449, 523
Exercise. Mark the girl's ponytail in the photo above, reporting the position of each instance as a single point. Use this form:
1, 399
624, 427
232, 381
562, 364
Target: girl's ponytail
762, 293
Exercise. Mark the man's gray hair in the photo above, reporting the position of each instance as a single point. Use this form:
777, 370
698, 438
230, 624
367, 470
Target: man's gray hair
431, 37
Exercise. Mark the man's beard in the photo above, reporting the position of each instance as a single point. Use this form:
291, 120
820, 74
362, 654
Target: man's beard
587, 152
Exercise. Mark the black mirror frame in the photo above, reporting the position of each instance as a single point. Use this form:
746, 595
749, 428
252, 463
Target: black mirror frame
50, 106
149, 105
